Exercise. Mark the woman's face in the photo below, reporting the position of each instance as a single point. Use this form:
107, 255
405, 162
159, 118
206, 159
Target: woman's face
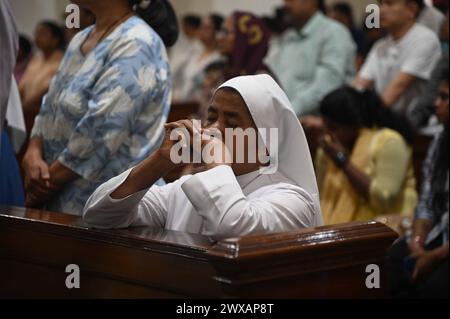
228, 110
441, 103
347, 135
206, 33
227, 37
44, 38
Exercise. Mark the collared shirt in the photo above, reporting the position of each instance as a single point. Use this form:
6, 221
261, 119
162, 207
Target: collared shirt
105, 112
425, 208
415, 54
213, 203
314, 61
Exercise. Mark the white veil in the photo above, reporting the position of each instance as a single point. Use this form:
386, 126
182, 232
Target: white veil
270, 108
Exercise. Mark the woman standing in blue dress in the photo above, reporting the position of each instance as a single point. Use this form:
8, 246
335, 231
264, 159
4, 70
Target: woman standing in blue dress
106, 107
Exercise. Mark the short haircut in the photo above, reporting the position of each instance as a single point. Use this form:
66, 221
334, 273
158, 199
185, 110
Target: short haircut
217, 21
420, 3
321, 6
345, 9
25, 44
216, 67
56, 31
192, 20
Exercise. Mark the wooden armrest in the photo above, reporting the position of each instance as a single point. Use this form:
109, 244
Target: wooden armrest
324, 262
36, 246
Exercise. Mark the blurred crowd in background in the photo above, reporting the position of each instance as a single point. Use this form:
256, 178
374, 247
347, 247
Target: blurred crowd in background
374, 97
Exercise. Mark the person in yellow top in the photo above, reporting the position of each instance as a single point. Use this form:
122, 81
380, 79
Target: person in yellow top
364, 163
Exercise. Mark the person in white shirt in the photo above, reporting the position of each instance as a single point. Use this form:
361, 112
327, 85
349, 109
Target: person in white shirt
182, 52
195, 68
224, 200
400, 64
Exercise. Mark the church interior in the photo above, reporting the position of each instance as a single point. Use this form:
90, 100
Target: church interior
224, 149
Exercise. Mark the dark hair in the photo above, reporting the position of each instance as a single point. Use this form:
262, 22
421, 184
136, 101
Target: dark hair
56, 31
192, 20
217, 21
278, 22
274, 24
349, 107
161, 17
216, 66
25, 45
420, 3
345, 9
321, 6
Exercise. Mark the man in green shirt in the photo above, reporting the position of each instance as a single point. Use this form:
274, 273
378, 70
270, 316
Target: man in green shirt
317, 56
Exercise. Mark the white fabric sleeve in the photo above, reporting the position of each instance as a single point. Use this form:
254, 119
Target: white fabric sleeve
422, 58
145, 208
218, 198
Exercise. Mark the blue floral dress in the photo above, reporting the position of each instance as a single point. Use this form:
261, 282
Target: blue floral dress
105, 112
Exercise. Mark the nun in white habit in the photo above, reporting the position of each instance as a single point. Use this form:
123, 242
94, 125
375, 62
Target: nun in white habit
225, 200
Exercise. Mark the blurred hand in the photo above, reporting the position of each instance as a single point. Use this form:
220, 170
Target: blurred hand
215, 152
198, 137
37, 180
416, 245
332, 146
168, 142
314, 127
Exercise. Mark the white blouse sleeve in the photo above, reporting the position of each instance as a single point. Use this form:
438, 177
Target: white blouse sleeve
145, 208
218, 198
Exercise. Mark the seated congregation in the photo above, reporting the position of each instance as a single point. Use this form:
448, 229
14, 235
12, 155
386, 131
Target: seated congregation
305, 143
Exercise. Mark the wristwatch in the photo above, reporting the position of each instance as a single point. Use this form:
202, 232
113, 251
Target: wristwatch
341, 159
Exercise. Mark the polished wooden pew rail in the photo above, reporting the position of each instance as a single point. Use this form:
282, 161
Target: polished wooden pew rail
326, 262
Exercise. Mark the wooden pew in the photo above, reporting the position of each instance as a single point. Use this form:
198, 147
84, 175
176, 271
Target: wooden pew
327, 262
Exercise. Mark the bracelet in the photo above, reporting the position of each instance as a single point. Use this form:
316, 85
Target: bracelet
341, 159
